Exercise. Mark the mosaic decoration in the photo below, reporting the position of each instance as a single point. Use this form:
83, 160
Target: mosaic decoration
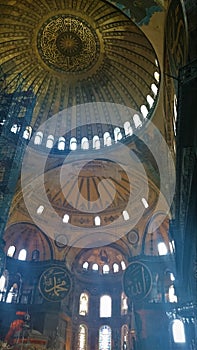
68, 44
139, 11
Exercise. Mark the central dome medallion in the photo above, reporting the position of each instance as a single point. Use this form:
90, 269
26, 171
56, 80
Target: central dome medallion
68, 44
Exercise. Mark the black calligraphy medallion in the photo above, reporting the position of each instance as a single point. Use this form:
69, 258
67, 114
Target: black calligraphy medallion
54, 283
137, 281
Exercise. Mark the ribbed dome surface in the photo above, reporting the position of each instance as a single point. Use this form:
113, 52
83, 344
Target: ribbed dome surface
74, 52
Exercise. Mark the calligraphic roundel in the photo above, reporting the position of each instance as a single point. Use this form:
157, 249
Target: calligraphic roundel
54, 283
137, 281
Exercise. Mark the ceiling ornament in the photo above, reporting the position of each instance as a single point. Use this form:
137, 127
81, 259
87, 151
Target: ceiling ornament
68, 44
75, 52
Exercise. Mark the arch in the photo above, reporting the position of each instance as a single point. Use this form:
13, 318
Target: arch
150, 100
83, 304
73, 144
105, 306
95, 267
128, 129
178, 331
137, 121
38, 138
156, 231
97, 221
35, 255
15, 128
61, 143
85, 265
27, 133
50, 141
107, 139
40, 209
124, 337
124, 304
115, 268
154, 89
105, 338
96, 142
22, 255
11, 251
82, 340
105, 268
33, 236
84, 143
144, 111
157, 76
117, 134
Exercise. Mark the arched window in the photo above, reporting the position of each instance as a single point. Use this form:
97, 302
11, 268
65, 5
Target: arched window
156, 76
150, 100
50, 140
171, 294
2, 283
105, 306
97, 220
22, 254
125, 215
35, 255
124, 337
27, 132
123, 265
107, 139
82, 337
15, 128
95, 267
154, 89
85, 265
105, 338
137, 121
145, 203
11, 251
84, 143
124, 304
178, 331
162, 249
83, 304
66, 218
117, 134
40, 209
128, 129
61, 144
115, 267
105, 268
13, 293
73, 144
38, 138
96, 142
144, 111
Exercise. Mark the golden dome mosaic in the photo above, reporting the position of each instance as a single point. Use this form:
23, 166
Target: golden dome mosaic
76, 52
68, 44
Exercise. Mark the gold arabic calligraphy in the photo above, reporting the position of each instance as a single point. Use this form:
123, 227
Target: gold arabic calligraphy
138, 281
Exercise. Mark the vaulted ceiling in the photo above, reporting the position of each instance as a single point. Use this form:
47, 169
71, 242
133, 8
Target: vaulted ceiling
83, 53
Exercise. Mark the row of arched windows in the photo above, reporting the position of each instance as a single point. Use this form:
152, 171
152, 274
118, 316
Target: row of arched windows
22, 255
105, 335
105, 309
116, 267
107, 140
